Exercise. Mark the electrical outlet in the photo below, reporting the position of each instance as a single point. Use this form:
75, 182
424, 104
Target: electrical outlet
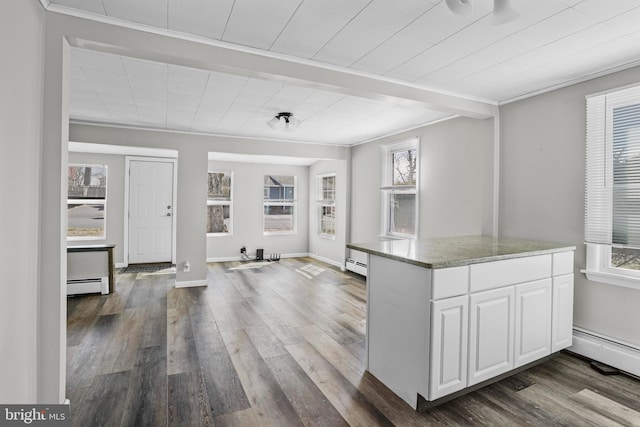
186, 267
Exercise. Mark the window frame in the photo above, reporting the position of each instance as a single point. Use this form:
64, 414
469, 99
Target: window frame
389, 190
293, 203
600, 135
89, 201
213, 202
326, 203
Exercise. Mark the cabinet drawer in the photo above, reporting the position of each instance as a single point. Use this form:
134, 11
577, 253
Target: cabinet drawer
490, 275
563, 263
450, 282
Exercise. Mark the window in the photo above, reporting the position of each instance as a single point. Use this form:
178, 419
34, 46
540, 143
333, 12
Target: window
279, 204
86, 202
326, 203
612, 205
400, 189
219, 203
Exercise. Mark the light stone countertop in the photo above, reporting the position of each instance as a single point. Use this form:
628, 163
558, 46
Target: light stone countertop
456, 251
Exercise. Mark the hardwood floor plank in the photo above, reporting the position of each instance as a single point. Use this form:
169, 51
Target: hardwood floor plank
87, 357
154, 330
115, 302
182, 355
265, 341
266, 397
103, 403
609, 408
82, 311
572, 411
353, 371
188, 402
146, 403
308, 401
121, 350
244, 418
346, 398
224, 389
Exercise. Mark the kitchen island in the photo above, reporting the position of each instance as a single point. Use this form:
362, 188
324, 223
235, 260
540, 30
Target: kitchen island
448, 315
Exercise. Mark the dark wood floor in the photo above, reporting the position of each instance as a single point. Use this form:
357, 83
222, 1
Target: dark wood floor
283, 344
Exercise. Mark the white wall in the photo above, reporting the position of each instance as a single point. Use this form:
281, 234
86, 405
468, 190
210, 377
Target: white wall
321, 247
248, 196
455, 180
191, 240
542, 193
21, 96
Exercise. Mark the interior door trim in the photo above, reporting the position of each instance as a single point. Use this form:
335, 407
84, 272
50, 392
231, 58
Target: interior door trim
127, 170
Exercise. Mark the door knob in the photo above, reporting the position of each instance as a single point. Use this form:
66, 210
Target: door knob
168, 213
168, 206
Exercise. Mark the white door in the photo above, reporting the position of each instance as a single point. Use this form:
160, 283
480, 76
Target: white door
150, 211
449, 326
491, 319
533, 321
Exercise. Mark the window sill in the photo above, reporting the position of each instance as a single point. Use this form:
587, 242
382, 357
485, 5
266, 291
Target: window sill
84, 238
612, 279
327, 236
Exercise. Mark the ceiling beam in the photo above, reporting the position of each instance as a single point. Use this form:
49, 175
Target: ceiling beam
123, 38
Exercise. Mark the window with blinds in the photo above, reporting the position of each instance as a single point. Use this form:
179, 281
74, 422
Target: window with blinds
612, 183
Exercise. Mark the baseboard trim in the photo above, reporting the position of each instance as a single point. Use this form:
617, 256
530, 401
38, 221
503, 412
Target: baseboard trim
121, 264
607, 350
328, 261
253, 258
191, 283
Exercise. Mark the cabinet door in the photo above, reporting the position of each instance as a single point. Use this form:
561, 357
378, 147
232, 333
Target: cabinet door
449, 339
533, 321
562, 313
490, 333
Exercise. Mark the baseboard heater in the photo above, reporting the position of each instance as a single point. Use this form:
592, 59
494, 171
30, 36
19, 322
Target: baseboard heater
88, 286
356, 266
620, 355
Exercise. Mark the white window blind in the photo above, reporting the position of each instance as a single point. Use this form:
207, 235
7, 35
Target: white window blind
612, 187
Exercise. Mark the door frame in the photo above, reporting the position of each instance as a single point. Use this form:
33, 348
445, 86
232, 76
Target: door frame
127, 174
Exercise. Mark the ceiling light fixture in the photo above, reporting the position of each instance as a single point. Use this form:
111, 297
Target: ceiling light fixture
284, 122
503, 10
460, 7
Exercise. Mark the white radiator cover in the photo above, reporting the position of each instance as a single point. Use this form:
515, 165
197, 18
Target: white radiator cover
88, 286
356, 266
622, 356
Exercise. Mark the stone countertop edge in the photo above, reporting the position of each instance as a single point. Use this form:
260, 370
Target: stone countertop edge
444, 257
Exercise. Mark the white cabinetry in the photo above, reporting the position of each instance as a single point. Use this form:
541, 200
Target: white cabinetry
562, 319
533, 322
449, 322
432, 332
490, 333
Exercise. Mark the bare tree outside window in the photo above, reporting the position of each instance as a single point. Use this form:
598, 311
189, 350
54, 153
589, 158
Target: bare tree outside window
219, 203
86, 201
404, 167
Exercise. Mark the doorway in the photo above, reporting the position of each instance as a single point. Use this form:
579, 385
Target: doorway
150, 210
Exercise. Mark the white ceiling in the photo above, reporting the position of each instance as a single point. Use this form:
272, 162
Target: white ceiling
550, 44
